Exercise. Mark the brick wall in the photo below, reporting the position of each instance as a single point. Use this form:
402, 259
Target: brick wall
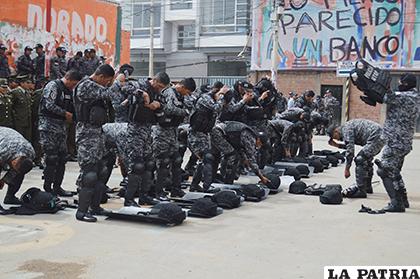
299, 81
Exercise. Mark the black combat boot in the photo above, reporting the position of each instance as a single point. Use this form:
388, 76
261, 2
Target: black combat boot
85, 197
145, 199
396, 204
96, 208
58, 191
368, 185
10, 197
405, 198
177, 193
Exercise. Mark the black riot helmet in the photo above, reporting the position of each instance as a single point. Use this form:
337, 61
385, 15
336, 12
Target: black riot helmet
407, 82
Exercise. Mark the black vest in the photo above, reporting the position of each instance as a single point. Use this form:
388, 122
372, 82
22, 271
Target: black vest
93, 112
233, 131
169, 120
137, 112
203, 120
64, 100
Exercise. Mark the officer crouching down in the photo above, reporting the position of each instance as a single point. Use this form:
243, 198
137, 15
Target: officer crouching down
91, 113
17, 153
235, 140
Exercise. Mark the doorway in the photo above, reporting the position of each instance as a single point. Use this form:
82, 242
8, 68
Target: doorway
337, 92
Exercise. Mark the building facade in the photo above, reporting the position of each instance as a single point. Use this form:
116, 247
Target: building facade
191, 37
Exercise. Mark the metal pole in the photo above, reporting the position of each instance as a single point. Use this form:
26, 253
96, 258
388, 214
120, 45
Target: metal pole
151, 54
278, 6
348, 99
48, 15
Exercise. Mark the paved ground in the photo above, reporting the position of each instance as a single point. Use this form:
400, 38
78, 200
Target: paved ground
286, 236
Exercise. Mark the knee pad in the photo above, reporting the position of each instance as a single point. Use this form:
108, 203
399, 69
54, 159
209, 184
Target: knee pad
208, 158
51, 160
89, 179
360, 160
138, 168
103, 171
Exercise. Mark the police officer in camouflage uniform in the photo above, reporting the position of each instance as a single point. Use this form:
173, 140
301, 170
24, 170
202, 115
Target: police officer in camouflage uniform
35, 100
6, 105
235, 140
56, 108
116, 143
24, 64
58, 64
120, 102
22, 106
202, 121
299, 135
165, 137
91, 113
17, 153
143, 103
91, 63
4, 63
236, 101
359, 132
39, 66
76, 63
398, 131
330, 104
280, 135
306, 102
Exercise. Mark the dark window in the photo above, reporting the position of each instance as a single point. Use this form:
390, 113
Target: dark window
186, 37
337, 92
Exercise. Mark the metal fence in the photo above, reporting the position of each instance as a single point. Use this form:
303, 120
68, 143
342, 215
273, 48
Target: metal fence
228, 80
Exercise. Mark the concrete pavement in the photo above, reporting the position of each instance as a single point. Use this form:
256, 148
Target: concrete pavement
286, 236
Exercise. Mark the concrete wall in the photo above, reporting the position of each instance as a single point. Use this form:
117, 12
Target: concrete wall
184, 58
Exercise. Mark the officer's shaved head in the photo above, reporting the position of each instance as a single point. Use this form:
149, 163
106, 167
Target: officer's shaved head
105, 70
73, 75
162, 78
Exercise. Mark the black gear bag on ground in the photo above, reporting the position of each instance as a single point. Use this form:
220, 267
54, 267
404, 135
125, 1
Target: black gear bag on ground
34, 201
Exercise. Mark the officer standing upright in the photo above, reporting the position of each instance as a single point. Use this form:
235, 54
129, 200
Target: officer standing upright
398, 132
4, 63
91, 113
35, 100
22, 102
17, 153
6, 105
330, 104
76, 62
56, 108
165, 140
24, 63
236, 101
39, 66
142, 103
58, 64
359, 132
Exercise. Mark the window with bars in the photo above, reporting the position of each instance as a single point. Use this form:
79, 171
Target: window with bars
141, 18
181, 4
186, 37
225, 16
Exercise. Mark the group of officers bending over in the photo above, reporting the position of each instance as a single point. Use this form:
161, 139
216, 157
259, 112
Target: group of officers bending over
231, 129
